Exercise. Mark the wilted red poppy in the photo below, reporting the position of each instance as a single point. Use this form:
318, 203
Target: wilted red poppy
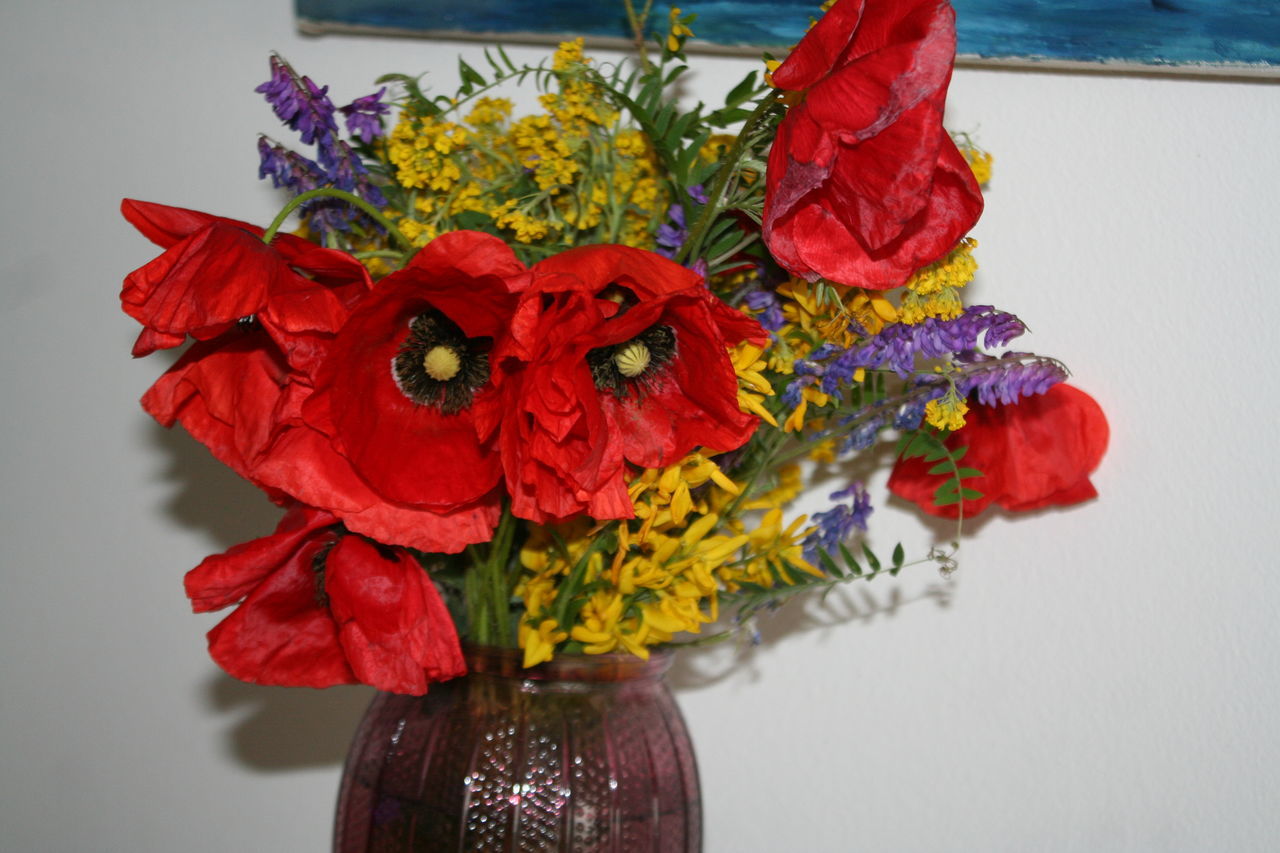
258, 311
318, 607
622, 358
1034, 453
217, 272
864, 185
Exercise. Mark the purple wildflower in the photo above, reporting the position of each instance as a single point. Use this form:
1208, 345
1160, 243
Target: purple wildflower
289, 169
899, 345
300, 104
766, 302
347, 172
909, 415
698, 194
364, 116
807, 373
863, 435
836, 525
671, 237
1001, 381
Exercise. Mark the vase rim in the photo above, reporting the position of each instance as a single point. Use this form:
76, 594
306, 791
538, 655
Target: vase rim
614, 666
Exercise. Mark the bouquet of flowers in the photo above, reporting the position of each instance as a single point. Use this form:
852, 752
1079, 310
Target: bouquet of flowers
552, 381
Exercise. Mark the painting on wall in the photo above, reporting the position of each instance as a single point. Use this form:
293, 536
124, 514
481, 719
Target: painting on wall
1199, 36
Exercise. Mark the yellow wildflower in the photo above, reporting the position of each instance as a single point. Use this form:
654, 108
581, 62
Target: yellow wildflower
678, 31
752, 386
979, 161
489, 111
933, 291
946, 412
539, 642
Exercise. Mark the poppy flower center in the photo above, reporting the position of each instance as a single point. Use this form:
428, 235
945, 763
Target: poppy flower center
441, 363
632, 359
439, 366
616, 368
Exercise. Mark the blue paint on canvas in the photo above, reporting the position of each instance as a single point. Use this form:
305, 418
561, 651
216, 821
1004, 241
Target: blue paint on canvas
1144, 31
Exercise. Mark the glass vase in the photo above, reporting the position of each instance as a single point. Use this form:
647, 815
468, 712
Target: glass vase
588, 753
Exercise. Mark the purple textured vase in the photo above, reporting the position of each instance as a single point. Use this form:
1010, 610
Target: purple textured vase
587, 754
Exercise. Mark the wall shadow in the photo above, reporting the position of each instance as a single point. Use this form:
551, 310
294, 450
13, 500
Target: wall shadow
209, 496
274, 729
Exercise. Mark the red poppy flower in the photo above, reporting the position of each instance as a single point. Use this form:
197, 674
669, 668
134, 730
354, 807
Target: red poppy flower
260, 313
864, 185
233, 395
388, 441
1035, 453
318, 608
216, 272
622, 357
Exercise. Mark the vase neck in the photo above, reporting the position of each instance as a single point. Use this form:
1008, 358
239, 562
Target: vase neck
506, 663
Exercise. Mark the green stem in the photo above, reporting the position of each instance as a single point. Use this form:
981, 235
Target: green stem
349, 198
637, 22
729, 165
765, 463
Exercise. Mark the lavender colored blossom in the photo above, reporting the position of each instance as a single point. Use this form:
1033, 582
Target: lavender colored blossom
300, 104
909, 415
698, 194
766, 302
289, 169
899, 345
671, 237
862, 436
835, 526
364, 116
1001, 381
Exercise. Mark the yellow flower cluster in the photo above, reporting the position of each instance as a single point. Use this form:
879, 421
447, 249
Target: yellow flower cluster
946, 412
669, 566
979, 161
572, 174
934, 290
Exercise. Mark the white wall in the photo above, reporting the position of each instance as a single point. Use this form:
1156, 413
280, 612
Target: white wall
1102, 678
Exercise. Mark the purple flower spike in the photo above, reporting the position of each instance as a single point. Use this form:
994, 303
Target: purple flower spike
1001, 381
698, 194
300, 104
836, 525
670, 237
364, 116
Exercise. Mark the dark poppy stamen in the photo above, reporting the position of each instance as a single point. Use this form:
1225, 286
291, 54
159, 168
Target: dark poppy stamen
631, 363
439, 366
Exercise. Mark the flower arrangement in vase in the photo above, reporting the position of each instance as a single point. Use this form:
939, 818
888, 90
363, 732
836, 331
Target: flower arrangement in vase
544, 383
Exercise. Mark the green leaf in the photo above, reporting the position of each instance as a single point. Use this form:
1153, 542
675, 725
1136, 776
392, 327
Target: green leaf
946, 495
498, 72
505, 59
964, 473
899, 556
470, 77
943, 467
684, 163
742, 91
970, 494
938, 451
681, 126
872, 560
850, 561
828, 563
